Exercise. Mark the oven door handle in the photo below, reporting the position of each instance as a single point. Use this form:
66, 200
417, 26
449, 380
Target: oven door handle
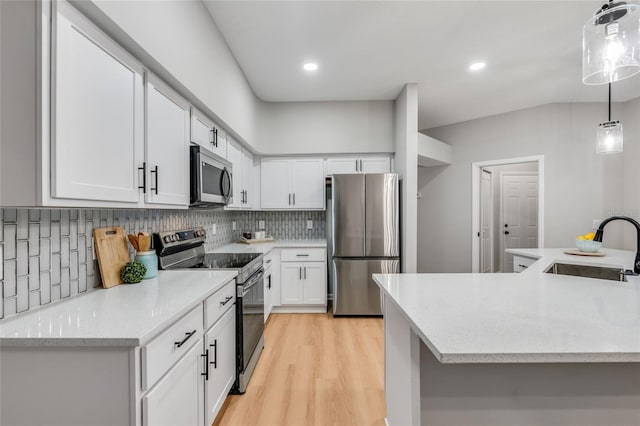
255, 279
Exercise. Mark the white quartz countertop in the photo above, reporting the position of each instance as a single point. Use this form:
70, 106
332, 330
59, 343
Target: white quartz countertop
125, 315
530, 317
267, 247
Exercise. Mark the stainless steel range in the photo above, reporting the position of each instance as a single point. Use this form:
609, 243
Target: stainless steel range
185, 250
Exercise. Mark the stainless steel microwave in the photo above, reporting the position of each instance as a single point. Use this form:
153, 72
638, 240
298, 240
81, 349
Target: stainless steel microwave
211, 178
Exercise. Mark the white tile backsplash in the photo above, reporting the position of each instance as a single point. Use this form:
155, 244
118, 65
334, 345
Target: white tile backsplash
22, 298
47, 255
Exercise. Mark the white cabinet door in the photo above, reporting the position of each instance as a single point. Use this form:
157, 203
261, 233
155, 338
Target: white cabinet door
342, 166
314, 283
375, 165
97, 114
274, 184
247, 179
275, 278
307, 184
267, 293
291, 283
167, 146
201, 129
221, 346
234, 155
178, 398
206, 133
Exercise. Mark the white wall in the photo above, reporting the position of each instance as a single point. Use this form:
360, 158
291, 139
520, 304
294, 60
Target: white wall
580, 184
327, 127
180, 41
631, 175
183, 39
406, 118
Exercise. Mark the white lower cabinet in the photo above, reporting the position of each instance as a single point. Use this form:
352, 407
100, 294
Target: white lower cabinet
219, 350
520, 263
303, 283
181, 377
177, 398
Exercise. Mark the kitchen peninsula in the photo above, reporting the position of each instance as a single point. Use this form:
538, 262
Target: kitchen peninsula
513, 349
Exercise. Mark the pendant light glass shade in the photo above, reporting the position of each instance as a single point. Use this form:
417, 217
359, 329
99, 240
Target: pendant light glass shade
610, 139
611, 44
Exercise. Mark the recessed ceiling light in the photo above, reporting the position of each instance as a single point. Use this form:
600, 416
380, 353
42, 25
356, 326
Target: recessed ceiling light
477, 66
310, 66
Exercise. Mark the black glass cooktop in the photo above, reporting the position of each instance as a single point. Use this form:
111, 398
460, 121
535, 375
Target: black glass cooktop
226, 260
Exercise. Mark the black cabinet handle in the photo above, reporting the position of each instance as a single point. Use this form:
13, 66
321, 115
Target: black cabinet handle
206, 365
215, 137
300, 272
523, 266
294, 198
269, 283
144, 177
506, 232
188, 336
226, 300
305, 272
155, 170
215, 354
302, 255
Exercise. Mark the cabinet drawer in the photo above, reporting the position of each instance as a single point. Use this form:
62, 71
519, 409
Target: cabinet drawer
303, 255
218, 303
166, 349
521, 263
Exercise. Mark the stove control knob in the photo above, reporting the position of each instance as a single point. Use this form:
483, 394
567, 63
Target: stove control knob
166, 239
177, 237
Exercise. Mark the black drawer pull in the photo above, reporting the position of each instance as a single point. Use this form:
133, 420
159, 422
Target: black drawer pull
226, 300
523, 266
302, 255
188, 336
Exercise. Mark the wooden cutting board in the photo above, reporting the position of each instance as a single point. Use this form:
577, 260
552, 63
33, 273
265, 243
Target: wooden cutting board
112, 252
252, 241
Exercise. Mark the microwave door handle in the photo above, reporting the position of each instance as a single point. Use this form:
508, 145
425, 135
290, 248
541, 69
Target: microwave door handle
226, 194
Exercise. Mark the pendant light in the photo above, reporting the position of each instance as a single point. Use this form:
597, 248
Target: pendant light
611, 43
610, 139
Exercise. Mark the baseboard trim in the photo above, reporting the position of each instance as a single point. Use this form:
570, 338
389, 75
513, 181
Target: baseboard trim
299, 310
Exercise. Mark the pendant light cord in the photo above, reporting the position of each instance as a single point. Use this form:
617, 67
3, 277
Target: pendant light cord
609, 102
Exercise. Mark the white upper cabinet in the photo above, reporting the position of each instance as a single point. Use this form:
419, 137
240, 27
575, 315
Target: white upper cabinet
342, 165
292, 184
167, 147
206, 133
274, 184
362, 164
307, 184
97, 114
242, 161
247, 178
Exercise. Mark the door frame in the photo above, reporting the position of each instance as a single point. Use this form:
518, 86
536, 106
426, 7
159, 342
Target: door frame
476, 170
491, 222
503, 265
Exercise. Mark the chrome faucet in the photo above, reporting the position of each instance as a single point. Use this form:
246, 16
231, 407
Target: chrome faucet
600, 233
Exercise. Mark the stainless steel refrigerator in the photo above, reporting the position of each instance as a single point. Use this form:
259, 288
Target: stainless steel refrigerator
364, 239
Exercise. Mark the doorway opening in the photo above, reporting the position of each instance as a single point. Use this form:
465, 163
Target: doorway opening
507, 210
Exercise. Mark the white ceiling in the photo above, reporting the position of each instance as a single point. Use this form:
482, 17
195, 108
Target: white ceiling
367, 50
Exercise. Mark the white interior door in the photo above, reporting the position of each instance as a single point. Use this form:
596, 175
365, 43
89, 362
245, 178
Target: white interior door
486, 222
519, 214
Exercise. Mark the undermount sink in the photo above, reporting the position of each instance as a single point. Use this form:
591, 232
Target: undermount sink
587, 271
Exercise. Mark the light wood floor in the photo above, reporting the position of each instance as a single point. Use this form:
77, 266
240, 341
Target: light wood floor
315, 370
